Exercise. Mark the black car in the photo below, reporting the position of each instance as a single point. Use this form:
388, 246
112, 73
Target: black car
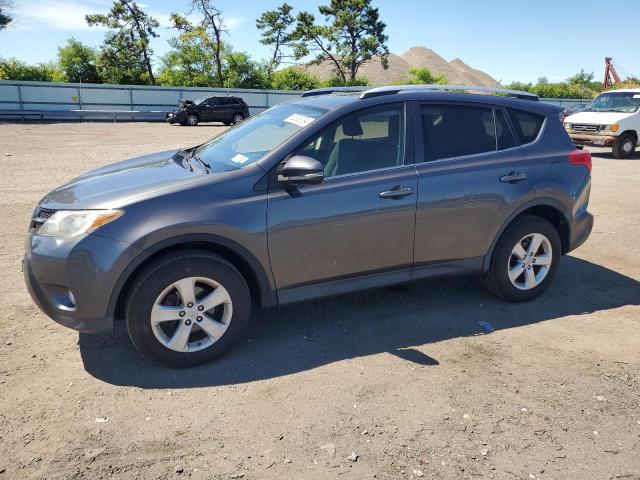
228, 110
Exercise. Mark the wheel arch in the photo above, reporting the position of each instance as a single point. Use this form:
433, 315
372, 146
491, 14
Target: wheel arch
547, 208
250, 268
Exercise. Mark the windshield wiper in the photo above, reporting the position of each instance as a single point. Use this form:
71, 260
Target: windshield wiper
207, 167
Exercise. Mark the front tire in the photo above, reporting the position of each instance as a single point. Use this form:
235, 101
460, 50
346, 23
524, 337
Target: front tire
624, 146
187, 308
525, 260
192, 120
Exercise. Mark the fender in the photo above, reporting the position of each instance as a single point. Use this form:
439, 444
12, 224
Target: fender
537, 202
267, 295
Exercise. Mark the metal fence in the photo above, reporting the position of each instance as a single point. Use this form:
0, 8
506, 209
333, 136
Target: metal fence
77, 101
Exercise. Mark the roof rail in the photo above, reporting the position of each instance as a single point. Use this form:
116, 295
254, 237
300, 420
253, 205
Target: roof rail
330, 90
374, 92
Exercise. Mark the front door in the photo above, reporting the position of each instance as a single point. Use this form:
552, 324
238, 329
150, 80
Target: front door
355, 228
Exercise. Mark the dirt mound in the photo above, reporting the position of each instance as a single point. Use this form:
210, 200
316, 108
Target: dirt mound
456, 71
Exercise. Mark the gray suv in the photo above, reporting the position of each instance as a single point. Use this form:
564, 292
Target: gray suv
326, 194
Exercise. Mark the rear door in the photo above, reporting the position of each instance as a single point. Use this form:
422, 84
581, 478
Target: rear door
471, 176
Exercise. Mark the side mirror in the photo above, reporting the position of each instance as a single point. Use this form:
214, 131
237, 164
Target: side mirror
300, 169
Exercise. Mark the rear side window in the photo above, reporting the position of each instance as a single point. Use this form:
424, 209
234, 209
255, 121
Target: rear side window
503, 132
457, 130
527, 124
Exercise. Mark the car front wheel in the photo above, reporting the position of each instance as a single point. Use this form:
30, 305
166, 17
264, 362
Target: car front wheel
192, 120
187, 309
624, 146
525, 260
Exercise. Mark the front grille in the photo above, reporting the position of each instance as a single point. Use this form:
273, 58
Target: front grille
585, 128
40, 216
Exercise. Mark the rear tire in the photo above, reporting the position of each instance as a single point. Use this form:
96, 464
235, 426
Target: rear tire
237, 118
624, 146
520, 271
182, 285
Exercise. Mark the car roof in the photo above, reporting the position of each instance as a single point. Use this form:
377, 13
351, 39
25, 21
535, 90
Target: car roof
333, 101
624, 90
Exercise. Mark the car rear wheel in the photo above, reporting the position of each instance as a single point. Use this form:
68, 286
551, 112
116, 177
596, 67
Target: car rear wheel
624, 146
187, 309
192, 120
525, 260
237, 118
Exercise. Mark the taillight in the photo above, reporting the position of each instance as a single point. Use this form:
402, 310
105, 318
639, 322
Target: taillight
580, 157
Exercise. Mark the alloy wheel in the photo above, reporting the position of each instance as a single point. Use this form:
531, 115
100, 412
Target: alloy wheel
192, 120
530, 261
237, 118
191, 314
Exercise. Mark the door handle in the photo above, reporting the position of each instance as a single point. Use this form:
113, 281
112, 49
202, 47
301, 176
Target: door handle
396, 192
513, 177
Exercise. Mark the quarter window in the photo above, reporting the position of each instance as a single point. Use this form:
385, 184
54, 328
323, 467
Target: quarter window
457, 130
368, 140
527, 124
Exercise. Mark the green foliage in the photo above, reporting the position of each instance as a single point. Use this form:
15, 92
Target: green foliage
339, 82
423, 76
276, 32
240, 71
555, 90
78, 62
351, 36
14, 69
292, 78
581, 78
125, 55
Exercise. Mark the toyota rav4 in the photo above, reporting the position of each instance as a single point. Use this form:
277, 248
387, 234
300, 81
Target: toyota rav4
326, 194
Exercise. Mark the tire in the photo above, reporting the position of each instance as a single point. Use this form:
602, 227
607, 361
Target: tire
237, 118
154, 295
624, 146
504, 261
192, 120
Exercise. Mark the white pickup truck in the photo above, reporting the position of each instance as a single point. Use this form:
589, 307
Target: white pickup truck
612, 119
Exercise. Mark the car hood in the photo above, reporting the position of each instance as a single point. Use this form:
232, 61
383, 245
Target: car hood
121, 183
599, 118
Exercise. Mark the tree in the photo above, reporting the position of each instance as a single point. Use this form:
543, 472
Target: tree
581, 78
292, 78
424, 76
190, 61
242, 72
543, 80
351, 36
127, 47
13, 69
276, 26
5, 18
78, 62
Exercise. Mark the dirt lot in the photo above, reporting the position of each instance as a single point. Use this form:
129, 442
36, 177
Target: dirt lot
408, 380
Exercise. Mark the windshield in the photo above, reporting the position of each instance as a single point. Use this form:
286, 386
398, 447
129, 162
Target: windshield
624, 102
251, 140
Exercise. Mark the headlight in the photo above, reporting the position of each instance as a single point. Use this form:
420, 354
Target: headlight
609, 128
567, 126
71, 223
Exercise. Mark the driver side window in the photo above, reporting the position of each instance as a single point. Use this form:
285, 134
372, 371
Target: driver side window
362, 141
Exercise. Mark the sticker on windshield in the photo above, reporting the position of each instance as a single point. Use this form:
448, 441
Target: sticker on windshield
299, 119
637, 95
239, 158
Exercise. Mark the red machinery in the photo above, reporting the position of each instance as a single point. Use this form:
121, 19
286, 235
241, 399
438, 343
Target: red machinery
610, 74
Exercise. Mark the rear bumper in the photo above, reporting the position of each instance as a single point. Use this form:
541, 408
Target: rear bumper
592, 140
580, 230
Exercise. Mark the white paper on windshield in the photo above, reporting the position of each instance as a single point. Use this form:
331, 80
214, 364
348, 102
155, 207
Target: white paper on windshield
637, 95
239, 158
299, 120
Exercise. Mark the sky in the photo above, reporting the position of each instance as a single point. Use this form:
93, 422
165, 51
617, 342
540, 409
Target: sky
510, 40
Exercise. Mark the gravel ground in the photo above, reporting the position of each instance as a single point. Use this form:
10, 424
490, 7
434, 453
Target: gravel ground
388, 384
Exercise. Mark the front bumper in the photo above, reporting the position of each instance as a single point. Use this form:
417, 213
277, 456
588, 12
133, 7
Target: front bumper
174, 117
89, 267
592, 140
